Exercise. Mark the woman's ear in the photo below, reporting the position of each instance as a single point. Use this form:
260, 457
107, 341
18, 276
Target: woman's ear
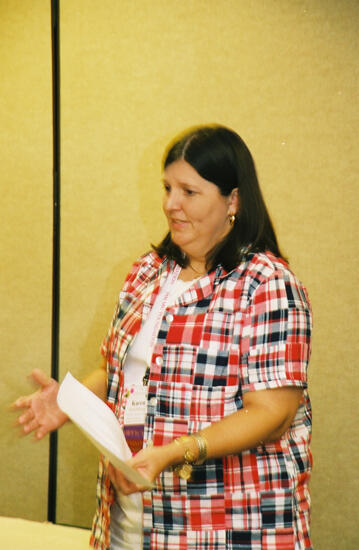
234, 202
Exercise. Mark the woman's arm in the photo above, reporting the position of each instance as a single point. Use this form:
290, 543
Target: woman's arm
266, 415
42, 413
96, 381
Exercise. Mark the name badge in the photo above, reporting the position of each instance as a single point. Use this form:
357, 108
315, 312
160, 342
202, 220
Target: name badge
136, 406
134, 417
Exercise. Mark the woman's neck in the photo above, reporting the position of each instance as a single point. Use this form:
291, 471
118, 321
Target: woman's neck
194, 270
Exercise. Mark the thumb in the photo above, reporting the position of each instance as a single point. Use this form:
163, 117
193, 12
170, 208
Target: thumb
41, 378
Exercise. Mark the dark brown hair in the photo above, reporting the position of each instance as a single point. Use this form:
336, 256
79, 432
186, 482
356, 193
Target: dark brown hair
220, 156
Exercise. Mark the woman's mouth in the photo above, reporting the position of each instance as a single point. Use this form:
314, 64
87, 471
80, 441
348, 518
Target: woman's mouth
178, 224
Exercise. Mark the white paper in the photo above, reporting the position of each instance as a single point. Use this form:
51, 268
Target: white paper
100, 425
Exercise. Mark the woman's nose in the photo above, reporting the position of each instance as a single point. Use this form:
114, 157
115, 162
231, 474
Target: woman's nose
172, 200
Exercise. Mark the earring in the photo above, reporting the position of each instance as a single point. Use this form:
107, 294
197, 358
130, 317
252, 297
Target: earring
232, 219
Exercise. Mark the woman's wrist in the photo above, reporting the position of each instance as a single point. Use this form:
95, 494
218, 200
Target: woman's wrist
188, 450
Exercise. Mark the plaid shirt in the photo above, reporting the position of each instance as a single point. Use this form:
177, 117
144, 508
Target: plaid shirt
230, 333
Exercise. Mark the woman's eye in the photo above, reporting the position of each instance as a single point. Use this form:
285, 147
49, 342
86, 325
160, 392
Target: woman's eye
189, 192
166, 188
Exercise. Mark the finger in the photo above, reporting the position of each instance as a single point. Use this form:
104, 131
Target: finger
124, 485
26, 417
111, 474
41, 432
31, 426
40, 377
21, 402
118, 480
128, 487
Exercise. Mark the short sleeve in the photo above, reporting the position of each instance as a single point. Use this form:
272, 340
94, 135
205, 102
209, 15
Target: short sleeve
278, 334
108, 345
105, 345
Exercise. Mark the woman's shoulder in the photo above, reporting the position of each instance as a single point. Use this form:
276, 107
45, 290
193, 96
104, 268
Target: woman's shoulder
264, 269
263, 265
148, 260
146, 266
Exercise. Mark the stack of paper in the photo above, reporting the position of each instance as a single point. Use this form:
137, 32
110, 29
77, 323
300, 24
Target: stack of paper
96, 420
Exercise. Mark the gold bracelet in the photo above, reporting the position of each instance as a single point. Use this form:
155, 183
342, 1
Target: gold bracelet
202, 447
184, 471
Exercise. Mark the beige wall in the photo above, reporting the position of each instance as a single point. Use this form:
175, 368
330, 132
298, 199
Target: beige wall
26, 241
284, 75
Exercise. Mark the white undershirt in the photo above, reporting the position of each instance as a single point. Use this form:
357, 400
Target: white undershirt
139, 354
126, 512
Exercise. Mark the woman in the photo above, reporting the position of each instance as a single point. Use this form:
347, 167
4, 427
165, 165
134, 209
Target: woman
212, 337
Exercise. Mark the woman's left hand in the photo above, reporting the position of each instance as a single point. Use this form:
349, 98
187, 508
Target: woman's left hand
149, 462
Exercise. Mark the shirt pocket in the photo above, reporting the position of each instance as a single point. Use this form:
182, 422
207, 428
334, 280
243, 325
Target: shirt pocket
277, 517
223, 511
277, 509
211, 329
166, 430
197, 405
202, 366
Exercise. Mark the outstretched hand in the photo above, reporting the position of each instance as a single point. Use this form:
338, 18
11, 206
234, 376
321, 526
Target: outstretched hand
42, 413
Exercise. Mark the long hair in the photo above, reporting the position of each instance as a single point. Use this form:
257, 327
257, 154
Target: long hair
220, 156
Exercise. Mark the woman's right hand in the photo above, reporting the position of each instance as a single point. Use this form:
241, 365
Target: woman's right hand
42, 413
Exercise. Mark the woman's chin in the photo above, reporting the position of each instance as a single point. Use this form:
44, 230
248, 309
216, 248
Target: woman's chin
176, 239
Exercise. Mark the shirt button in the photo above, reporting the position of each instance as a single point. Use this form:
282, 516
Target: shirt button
159, 361
153, 401
169, 318
150, 443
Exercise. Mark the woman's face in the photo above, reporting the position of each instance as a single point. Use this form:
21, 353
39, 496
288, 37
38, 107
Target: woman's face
197, 213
